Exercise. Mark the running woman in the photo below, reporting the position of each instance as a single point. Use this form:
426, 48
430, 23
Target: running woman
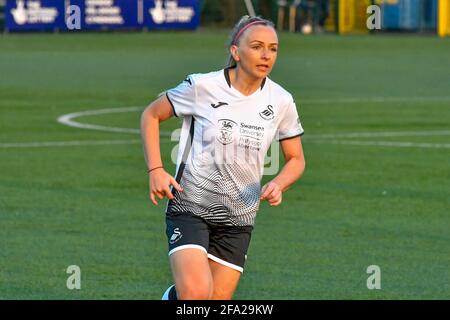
230, 117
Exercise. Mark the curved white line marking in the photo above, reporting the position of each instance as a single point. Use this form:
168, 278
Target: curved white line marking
315, 138
66, 143
44, 144
67, 119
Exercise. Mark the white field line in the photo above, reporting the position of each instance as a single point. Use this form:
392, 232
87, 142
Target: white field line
374, 100
387, 144
67, 143
73, 143
380, 134
138, 141
67, 119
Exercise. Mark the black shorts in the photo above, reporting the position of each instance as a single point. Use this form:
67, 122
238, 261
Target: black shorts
226, 245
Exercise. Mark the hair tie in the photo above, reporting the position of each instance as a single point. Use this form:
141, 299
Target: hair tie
236, 38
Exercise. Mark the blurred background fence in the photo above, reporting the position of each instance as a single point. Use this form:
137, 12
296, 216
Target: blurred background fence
306, 16
339, 16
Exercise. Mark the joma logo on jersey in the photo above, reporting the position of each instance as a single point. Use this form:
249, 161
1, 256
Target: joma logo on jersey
175, 236
218, 104
226, 131
267, 114
188, 80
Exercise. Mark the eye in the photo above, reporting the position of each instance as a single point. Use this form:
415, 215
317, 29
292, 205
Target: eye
274, 49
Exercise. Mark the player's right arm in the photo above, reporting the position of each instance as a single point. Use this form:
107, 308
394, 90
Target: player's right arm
159, 180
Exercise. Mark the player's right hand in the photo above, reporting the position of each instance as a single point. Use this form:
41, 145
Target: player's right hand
160, 182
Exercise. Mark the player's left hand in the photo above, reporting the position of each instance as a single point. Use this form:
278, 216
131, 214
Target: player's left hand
272, 193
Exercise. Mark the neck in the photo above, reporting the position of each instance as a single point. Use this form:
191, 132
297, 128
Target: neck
243, 82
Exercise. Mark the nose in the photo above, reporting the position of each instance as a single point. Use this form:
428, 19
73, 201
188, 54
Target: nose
265, 54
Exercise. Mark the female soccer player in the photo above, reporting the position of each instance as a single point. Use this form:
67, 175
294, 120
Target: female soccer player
230, 118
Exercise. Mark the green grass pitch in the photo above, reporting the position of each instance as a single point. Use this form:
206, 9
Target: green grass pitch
376, 111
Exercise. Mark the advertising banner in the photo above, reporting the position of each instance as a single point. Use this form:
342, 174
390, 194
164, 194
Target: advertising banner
29, 15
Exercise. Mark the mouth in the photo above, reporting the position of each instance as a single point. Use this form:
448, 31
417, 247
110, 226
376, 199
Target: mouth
262, 67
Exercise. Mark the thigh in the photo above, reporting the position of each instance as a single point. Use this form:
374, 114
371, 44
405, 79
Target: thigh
225, 281
188, 240
191, 273
227, 253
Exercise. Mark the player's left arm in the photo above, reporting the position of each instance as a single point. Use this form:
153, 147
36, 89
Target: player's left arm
292, 171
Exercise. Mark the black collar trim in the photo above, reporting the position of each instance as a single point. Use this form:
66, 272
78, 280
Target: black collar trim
263, 83
226, 72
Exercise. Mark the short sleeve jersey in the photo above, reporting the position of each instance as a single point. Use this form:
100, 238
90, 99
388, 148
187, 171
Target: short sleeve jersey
224, 139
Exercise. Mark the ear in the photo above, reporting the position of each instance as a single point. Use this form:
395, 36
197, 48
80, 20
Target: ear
234, 50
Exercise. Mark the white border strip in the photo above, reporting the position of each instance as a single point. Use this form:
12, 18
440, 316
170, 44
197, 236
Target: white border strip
229, 265
187, 246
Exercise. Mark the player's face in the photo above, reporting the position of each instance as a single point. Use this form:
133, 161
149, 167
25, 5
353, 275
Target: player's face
258, 51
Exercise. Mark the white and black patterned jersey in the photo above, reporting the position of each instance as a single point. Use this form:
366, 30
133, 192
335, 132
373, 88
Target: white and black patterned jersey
224, 139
